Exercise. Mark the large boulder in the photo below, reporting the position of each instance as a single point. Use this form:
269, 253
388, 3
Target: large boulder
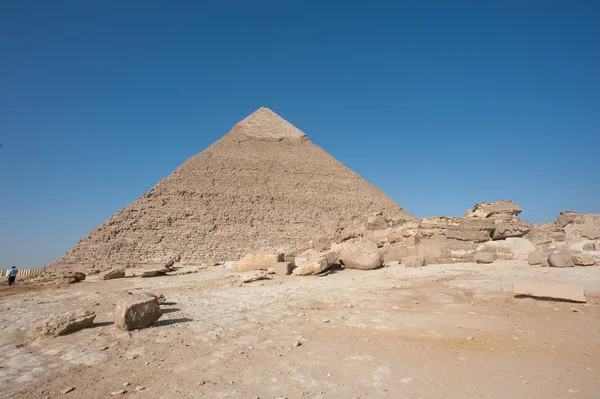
561, 259
363, 255
136, 311
56, 325
112, 274
258, 261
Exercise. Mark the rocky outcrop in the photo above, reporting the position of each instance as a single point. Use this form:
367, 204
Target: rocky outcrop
571, 231
496, 209
136, 311
56, 325
503, 215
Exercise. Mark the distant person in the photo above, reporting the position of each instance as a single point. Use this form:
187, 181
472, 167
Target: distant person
12, 275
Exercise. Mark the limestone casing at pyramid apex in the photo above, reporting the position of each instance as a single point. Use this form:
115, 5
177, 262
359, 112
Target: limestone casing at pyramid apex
264, 124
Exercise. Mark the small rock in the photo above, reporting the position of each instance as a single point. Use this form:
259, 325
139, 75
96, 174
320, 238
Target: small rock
126, 384
119, 392
469, 338
102, 348
325, 321
67, 390
140, 388
297, 343
416, 302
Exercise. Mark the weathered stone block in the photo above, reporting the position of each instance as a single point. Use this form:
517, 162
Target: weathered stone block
136, 311
560, 259
283, 268
56, 325
258, 261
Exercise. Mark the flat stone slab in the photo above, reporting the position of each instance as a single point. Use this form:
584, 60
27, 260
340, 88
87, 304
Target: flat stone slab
562, 292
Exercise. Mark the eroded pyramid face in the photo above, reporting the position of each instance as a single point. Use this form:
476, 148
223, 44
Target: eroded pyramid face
263, 186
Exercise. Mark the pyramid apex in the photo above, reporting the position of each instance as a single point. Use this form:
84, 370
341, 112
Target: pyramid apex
264, 124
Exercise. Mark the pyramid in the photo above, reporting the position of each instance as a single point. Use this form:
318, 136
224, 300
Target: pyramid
263, 186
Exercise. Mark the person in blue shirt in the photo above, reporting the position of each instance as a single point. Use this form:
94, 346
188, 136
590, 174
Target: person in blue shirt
12, 275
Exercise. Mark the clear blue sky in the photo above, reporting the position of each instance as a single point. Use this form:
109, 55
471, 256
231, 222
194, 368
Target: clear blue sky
441, 104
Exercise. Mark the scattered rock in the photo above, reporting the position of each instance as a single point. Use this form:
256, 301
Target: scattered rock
119, 392
311, 268
484, 257
159, 297
258, 261
256, 276
140, 388
584, 260
112, 274
550, 290
560, 259
283, 268
136, 311
67, 390
56, 325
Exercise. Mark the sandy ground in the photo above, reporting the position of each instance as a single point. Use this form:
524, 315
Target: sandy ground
452, 331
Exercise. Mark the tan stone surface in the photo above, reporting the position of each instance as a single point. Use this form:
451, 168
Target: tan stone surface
262, 187
550, 290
